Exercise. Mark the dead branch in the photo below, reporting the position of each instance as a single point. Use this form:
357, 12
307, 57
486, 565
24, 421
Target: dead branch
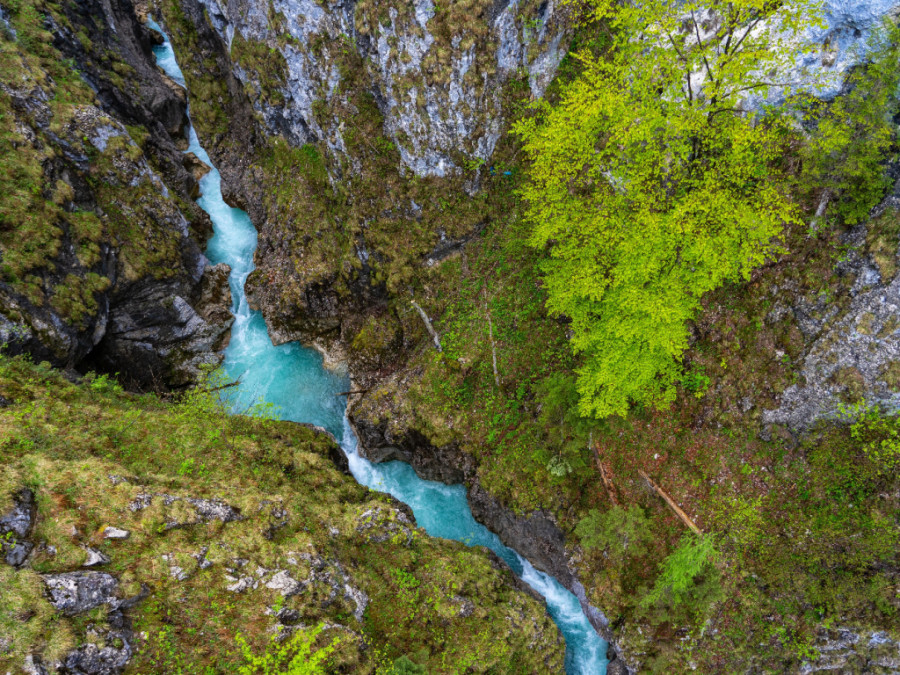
431, 330
671, 503
607, 482
224, 386
493, 347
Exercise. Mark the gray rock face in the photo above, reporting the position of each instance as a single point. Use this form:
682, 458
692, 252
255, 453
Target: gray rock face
441, 96
214, 509
205, 509
853, 355
95, 558
159, 336
90, 659
847, 650
115, 533
845, 38
148, 325
15, 528
77, 592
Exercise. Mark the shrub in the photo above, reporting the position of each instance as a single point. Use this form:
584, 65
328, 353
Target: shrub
294, 656
687, 584
620, 531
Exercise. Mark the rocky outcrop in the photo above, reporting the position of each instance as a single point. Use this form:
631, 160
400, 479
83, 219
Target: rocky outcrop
108, 272
860, 652
78, 592
437, 73
155, 337
15, 529
852, 349
844, 39
379, 443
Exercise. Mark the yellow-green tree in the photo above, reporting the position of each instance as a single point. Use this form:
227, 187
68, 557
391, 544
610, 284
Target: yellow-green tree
653, 181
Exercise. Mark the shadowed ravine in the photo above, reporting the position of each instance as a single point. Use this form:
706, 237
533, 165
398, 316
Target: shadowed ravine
292, 378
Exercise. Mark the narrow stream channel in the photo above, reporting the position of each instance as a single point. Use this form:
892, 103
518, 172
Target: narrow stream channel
293, 378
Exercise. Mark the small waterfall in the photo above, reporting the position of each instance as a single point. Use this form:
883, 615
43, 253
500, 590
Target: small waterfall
293, 378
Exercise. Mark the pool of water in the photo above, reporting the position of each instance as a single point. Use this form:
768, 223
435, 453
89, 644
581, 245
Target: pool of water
293, 379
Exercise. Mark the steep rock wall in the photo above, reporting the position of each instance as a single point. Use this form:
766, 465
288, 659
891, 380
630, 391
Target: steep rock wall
100, 241
359, 138
436, 72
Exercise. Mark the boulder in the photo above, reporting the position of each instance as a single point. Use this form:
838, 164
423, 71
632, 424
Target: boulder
77, 592
15, 527
196, 166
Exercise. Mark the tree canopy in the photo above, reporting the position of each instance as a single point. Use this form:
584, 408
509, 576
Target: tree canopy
653, 180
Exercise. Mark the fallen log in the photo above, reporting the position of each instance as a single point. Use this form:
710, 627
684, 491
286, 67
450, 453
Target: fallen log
671, 503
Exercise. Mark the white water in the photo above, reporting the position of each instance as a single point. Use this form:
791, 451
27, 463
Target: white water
293, 379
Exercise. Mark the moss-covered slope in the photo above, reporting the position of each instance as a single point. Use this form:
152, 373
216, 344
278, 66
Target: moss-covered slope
224, 525
99, 238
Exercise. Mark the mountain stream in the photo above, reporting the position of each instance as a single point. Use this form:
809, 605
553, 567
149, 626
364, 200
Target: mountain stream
293, 378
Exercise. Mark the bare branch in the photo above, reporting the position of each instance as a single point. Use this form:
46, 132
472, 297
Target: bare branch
700, 46
493, 348
431, 331
687, 75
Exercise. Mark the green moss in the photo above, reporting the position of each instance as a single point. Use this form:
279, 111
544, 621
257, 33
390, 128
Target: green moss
851, 383
864, 325
29, 230
299, 514
28, 623
265, 65
891, 375
882, 243
209, 91
75, 297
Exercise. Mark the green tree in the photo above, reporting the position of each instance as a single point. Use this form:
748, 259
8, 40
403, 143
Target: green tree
687, 584
651, 185
620, 531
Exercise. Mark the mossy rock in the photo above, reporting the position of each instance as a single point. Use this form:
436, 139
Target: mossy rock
850, 382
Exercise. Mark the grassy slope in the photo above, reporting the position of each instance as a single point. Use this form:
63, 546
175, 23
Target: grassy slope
65, 441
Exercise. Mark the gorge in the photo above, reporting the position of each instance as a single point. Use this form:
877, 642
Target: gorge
292, 378
433, 333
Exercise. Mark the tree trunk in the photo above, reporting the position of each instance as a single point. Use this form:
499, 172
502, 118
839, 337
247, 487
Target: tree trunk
672, 505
